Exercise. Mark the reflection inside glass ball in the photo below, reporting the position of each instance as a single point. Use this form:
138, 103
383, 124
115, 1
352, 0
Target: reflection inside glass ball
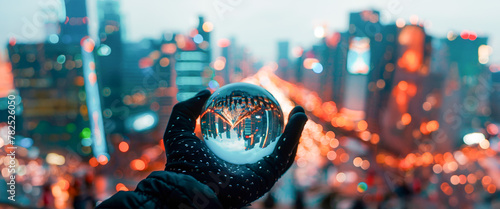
241, 123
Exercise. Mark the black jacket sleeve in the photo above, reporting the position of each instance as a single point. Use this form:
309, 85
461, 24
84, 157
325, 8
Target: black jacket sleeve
164, 189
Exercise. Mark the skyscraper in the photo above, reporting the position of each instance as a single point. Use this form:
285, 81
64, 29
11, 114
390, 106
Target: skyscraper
495, 96
109, 62
403, 114
383, 57
234, 63
466, 91
50, 80
283, 59
50, 83
192, 61
75, 25
365, 35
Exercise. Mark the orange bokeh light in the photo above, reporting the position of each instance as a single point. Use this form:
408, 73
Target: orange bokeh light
492, 129
168, 48
491, 188
471, 178
446, 188
432, 126
375, 139
208, 26
309, 62
469, 188
121, 187
455, 180
486, 180
93, 162
362, 125
365, 135
403, 85
103, 160
222, 43
88, 44
463, 179
138, 165
406, 119
123, 146
220, 63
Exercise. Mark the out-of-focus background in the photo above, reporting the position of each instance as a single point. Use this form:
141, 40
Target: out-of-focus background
403, 96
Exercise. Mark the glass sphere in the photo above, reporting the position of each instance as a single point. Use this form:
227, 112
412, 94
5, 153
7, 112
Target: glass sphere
241, 123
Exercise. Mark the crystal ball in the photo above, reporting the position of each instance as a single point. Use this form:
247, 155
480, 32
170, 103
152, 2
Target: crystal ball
241, 123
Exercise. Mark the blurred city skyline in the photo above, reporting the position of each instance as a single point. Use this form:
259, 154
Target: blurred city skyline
259, 25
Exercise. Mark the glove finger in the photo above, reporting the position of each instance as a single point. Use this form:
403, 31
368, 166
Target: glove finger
289, 140
184, 114
296, 109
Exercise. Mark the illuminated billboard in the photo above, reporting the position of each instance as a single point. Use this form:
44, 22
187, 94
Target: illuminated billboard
358, 57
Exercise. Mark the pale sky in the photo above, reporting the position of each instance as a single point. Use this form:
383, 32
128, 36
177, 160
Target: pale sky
259, 24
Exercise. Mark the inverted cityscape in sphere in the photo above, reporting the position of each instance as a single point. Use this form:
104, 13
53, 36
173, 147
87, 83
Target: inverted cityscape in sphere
241, 123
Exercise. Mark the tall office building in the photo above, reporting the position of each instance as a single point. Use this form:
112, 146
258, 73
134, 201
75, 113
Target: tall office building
233, 65
50, 83
403, 115
340, 65
328, 56
466, 91
319, 68
75, 25
495, 96
227, 70
283, 60
383, 56
166, 93
134, 63
365, 37
192, 57
109, 61
365, 23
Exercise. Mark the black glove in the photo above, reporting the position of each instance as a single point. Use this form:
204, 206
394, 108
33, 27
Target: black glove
235, 185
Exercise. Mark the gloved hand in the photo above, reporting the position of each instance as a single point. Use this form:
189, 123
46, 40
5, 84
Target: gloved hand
235, 185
